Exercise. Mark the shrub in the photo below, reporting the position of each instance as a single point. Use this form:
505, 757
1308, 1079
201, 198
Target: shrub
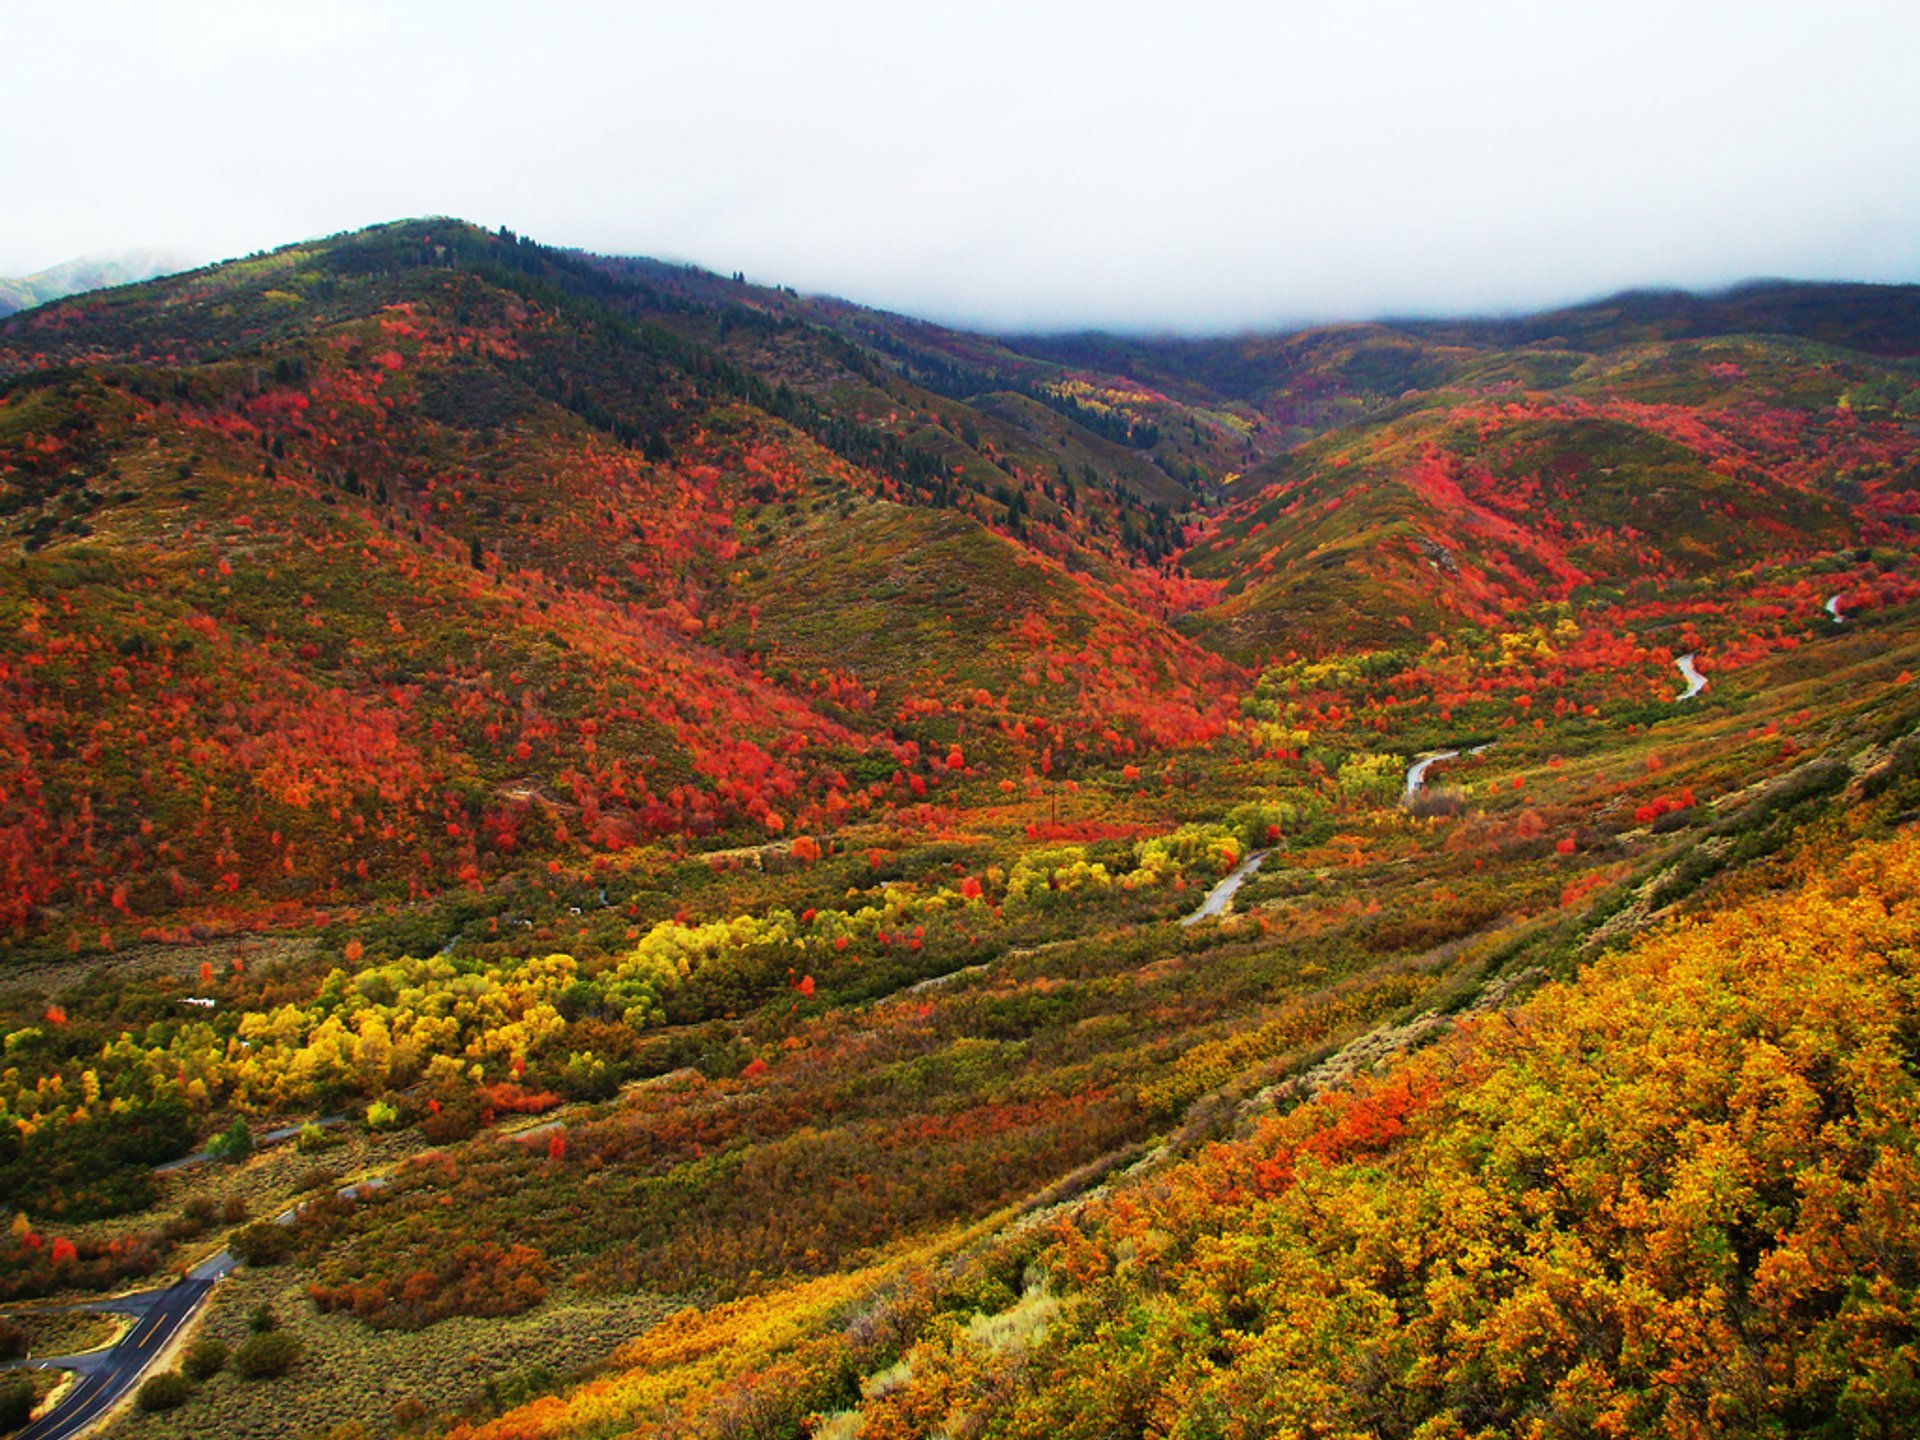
1261, 823
1430, 803
588, 1077
263, 1356
477, 1279
313, 1138
16, 1401
13, 1340
232, 1144
205, 1359
166, 1391
262, 1243
1673, 820
457, 1118
202, 1211
1369, 775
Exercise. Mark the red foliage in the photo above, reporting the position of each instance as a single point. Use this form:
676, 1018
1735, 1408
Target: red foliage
483, 1279
508, 1098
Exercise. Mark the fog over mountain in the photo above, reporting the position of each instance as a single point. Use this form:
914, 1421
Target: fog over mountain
89, 272
1014, 722
1007, 166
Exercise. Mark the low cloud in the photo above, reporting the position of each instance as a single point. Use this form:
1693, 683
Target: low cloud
1201, 167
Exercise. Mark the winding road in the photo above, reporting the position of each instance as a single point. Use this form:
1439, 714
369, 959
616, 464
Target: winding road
1417, 771
106, 1375
1833, 609
260, 1142
109, 1373
1221, 895
1696, 682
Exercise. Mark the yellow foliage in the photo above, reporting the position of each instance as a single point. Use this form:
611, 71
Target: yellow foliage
1680, 1196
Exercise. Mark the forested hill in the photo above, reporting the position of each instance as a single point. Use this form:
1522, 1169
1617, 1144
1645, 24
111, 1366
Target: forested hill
758, 560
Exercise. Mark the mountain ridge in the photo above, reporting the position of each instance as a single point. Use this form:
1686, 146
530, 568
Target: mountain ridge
691, 792
88, 272
412, 379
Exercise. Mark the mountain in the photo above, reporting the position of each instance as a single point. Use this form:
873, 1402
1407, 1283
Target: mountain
789, 748
380, 482
1875, 319
89, 272
433, 455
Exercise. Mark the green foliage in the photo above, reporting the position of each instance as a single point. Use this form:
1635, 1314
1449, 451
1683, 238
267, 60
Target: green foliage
1260, 824
315, 1139
585, 1076
204, 1359
262, 1243
17, 1399
233, 1144
1043, 877
266, 1355
88, 1168
168, 1390
1370, 776
1205, 848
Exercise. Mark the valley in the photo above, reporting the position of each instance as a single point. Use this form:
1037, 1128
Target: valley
849, 877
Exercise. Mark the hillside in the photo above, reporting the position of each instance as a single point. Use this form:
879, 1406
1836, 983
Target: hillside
506, 555
90, 272
759, 751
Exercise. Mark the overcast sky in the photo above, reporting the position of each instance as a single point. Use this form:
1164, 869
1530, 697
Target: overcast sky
1187, 165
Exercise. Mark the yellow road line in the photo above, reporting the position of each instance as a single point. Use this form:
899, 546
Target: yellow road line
158, 1321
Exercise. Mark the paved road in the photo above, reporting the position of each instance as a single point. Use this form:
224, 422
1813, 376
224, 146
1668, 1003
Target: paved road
1417, 771
1221, 894
1696, 682
106, 1375
260, 1142
1417, 774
